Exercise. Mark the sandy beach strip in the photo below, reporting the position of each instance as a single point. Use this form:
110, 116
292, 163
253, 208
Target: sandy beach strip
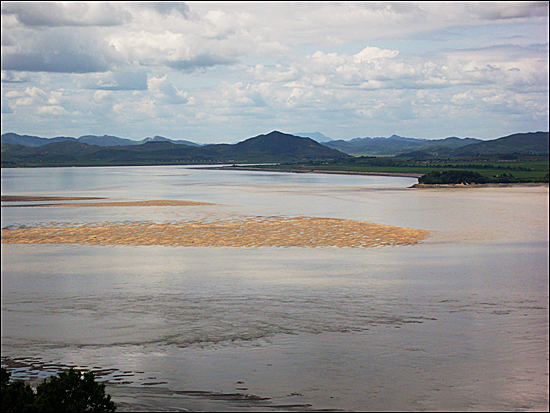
247, 232
152, 203
316, 171
25, 198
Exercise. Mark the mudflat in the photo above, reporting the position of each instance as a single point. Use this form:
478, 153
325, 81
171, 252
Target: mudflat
25, 198
97, 204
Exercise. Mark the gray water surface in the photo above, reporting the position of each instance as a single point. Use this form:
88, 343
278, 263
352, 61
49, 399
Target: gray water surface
458, 322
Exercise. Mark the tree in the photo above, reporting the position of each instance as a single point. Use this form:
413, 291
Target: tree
69, 391
453, 177
16, 396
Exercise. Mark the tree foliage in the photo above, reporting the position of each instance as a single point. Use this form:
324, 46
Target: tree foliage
69, 391
453, 177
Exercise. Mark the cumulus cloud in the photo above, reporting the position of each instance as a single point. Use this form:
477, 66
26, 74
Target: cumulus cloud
123, 80
52, 110
166, 8
509, 10
200, 62
244, 94
31, 96
15, 77
510, 67
50, 14
165, 92
5, 108
60, 50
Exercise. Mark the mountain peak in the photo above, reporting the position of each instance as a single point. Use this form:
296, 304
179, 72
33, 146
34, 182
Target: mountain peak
279, 143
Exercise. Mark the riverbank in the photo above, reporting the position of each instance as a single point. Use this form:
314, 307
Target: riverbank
395, 174
317, 171
490, 185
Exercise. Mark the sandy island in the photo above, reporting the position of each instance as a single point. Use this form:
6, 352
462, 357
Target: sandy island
153, 203
248, 232
275, 231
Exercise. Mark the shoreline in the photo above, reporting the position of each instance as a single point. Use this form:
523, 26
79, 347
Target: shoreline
394, 174
489, 185
317, 171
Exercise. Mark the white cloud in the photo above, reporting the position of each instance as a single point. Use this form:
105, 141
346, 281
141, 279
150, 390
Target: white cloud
121, 80
165, 93
511, 68
50, 14
508, 10
52, 110
62, 50
14, 94
6, 108
15, 77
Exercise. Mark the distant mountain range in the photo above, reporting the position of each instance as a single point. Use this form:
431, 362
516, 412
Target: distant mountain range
273, 147
396, 145
24, 150
316, 136
105, 140
519, 143
534, 143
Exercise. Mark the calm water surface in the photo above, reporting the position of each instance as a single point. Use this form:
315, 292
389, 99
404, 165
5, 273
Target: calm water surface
459, 322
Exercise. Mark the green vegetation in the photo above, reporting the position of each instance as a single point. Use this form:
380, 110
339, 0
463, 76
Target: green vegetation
69, 391
455, 177
494, 168
531, 143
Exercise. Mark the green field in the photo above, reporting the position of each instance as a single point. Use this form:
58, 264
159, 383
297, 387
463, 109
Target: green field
521, 169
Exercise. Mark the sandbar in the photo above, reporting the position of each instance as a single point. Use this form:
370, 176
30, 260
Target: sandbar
25, 198
316, 171
277, 231
152, 203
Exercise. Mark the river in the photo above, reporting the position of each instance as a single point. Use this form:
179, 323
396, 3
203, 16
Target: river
458, 321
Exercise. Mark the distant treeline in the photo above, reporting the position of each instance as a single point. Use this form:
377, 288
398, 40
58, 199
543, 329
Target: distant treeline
444, 163
477, 166
468, 177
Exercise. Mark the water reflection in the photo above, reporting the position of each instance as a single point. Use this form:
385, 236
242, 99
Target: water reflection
457, 323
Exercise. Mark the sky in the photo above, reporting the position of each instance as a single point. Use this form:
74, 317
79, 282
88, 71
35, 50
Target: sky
213, 72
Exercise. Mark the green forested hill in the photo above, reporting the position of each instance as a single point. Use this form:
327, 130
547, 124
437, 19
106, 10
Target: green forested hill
397, 145
273, 147
533, 143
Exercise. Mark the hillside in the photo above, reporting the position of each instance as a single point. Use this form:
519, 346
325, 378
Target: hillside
277, 143
533, 143
397, 145
273, 147
29, 140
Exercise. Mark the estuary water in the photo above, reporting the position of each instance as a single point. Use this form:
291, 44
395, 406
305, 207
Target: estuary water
457, 322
